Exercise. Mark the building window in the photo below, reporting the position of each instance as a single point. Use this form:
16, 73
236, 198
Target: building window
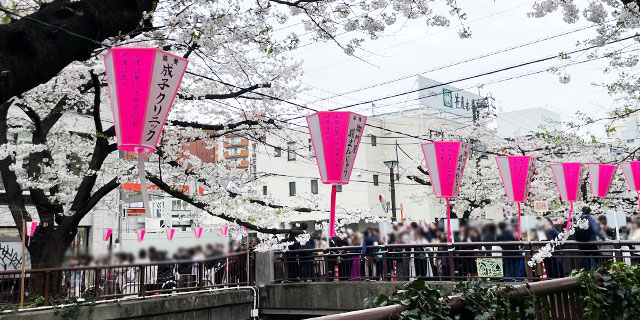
373, 140
630, 140
264, 190
278, 151
314, 186
179, 205
339, 188
292, 189
375, 179
291, 151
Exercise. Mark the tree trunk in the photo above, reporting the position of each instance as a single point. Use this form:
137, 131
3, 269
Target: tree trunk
32, 53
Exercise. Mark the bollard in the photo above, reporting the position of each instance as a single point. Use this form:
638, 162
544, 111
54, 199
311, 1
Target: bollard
336, 273
543, 277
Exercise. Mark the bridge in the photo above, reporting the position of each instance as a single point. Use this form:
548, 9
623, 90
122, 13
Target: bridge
298, 284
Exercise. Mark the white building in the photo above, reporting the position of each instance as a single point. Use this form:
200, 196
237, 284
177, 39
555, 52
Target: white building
524, 122
291, 173
625, 130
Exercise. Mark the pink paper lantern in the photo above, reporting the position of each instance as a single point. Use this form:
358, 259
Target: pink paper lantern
30, 227
631, 172
600, 176
567, 176
106, 233
143, 83
445, 162
197, 231
169, 233
335, 137
516, 173
140, 234
224, 230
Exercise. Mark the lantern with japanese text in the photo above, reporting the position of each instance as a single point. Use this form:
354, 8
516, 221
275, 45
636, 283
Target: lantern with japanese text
446, 161
631, 172
516, 173
567, 176
335, 136
143, 83
600, 176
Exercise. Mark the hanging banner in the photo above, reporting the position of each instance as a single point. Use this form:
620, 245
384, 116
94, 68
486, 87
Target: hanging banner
516, 173
567, 176
631, 172
335, 137
600, 177
197, 231
106, 233
445, 162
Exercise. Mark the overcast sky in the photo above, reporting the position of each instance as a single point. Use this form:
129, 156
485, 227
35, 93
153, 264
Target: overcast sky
495, 25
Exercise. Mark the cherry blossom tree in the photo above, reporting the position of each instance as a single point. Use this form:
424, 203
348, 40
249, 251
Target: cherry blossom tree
240, 77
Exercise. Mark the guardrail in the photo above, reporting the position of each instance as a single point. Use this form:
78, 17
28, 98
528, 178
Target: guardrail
556, 299
61, 285
502, 261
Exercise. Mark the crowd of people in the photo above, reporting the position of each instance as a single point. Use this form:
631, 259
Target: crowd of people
422, 250
161, 270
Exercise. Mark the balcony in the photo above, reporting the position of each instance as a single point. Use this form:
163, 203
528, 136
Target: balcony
243, 154
242, 143
243, 164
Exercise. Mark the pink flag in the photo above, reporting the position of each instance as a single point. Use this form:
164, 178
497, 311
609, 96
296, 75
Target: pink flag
567, 176
197, 231
30, 227
631, 171
516, 173
140, 234
335, 137
106, 233
169, 233
600, 176
445, 162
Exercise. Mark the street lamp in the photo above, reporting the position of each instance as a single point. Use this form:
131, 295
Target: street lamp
391, 164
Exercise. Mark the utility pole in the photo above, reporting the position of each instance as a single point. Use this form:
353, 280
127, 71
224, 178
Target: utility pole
391, 165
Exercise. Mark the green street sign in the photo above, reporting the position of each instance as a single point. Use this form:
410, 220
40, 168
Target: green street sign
447, 98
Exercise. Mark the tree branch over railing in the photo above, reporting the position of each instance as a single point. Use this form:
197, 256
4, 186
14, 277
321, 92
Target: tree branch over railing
218, 127
230, 95
31, 52
203, 206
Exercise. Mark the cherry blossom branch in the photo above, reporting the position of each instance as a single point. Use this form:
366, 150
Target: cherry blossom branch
230, 95
203, 206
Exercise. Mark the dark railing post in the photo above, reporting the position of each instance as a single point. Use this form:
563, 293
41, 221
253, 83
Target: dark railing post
201, 275
141, 290
96, 283
385, 266
528, 253
617, 251
47, 293
452, 267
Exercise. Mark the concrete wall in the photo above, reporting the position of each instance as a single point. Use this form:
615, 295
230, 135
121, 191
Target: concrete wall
215, 305
307, 299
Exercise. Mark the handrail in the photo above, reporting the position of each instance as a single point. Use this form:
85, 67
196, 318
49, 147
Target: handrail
466, 244
135, 265
456, 304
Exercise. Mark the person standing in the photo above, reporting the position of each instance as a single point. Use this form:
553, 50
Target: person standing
586, 238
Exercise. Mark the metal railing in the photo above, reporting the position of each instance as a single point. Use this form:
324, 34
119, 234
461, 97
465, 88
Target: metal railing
448, 262
62, 285
555, 299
